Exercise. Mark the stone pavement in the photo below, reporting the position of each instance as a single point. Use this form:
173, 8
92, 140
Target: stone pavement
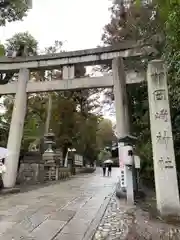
64, 211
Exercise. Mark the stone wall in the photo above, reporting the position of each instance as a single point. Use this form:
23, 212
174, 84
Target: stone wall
64, 173
33, 170
54, 173
30, 173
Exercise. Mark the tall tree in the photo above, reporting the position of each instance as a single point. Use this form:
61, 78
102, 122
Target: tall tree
158, 23
22, 38
105, 134
20, 43
171, 55
13, 10
139, 23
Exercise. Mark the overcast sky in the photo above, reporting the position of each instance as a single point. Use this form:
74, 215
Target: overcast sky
77, 22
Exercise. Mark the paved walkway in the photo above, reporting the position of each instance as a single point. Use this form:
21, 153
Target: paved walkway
64, 211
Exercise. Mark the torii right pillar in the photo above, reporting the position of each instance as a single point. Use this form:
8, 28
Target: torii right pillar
167, 194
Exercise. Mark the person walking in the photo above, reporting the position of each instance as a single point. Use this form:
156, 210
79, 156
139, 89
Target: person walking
2, 171
109, 170
104, 170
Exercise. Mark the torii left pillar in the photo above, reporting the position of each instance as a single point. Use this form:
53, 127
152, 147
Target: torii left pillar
16, 130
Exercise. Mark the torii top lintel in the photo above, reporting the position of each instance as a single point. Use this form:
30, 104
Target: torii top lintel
86, 57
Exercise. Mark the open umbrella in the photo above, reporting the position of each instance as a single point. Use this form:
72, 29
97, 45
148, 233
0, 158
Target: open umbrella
3, 152
108, 161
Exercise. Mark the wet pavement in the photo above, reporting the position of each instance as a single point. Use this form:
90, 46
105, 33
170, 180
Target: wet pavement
67, 210
116, 221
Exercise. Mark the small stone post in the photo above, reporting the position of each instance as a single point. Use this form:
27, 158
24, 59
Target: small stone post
167, 194
122, 123
16, 130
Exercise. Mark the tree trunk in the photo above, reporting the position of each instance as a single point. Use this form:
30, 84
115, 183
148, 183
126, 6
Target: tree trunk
49, 112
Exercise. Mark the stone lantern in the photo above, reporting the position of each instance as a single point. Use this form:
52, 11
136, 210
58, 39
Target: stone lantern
49, 154
50, 160
49, 141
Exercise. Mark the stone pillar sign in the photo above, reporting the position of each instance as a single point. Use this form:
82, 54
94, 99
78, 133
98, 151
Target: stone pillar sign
167, 194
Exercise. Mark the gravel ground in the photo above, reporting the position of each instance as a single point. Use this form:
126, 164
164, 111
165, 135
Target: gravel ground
124, 222
115, 222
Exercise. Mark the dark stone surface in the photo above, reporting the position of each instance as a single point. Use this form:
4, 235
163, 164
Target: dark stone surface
5, 191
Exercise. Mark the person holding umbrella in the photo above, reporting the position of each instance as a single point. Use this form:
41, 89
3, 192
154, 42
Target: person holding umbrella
109, 163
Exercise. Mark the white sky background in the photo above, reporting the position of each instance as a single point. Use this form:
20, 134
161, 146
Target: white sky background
78, 23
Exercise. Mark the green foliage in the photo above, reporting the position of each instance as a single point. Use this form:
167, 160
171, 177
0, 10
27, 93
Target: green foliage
105, 134
165, 8
103, 155
159, 24
26, 38
73, 127
138, 22
13, 11
132, 23
171, 55
2, 50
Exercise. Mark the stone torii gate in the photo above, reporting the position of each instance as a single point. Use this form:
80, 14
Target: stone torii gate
162, 142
